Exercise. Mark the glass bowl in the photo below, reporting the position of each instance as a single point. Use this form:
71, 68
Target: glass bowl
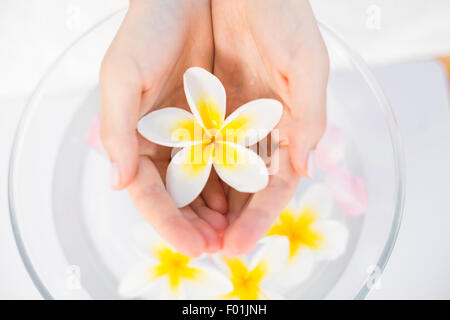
71, 229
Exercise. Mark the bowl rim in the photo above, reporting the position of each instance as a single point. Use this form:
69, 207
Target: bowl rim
356, 61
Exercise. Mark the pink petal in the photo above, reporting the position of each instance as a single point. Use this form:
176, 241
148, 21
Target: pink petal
349, 191
93, 136
330, 149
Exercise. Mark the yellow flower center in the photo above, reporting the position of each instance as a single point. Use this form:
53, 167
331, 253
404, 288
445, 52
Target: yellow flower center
175, 266
209, 112
214, 141
246, 283
223, 153
299, 230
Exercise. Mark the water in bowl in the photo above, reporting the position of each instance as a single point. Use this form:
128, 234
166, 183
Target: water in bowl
93, 222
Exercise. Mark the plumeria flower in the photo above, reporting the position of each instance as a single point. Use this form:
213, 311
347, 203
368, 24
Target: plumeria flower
209, 140
167, 274
312, 235
331, 148
254, 276
93, 136
349, 190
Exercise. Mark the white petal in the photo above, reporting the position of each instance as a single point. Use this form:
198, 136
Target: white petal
239, 167
319, 198
349, 191
271, 295
137, 283
298, 269
219, 261
284, 272
252, 122
93, 137
335, 239
273, 252
146, 239
172, 127
331, 148
188, 173
211, 284
161, 290
206, 97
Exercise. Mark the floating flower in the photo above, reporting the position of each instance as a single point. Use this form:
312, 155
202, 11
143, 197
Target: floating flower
208, 139
254, 276
167, 274
93, 136
331, 148
312, 235
349, 191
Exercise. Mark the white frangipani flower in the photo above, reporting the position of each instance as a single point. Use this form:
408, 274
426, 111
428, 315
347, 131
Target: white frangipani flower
208, 139
167, 274
254, 276
312, 235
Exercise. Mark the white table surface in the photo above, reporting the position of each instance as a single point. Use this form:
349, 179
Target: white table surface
418, 91
420, 263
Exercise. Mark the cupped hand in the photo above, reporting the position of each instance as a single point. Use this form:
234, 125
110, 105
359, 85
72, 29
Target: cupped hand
157, 41
271, 49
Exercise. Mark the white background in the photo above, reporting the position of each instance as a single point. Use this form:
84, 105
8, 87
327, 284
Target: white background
399, 38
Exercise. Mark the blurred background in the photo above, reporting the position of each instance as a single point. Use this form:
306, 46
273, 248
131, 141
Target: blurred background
407, 45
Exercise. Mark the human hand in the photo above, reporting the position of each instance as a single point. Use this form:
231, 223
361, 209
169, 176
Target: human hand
271, 49
157, 41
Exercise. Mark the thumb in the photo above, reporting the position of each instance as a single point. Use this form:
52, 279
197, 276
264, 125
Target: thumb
308, 109
120, 95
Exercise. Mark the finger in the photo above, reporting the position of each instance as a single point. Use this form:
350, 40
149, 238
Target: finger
214, 195
302, 140
154, 203
198, 202
237, 201
308, 109
226, 189
262, 210
120, 94
213, 241
150, 149
215, 219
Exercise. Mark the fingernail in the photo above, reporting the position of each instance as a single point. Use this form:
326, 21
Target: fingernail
310, 165
115, 175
